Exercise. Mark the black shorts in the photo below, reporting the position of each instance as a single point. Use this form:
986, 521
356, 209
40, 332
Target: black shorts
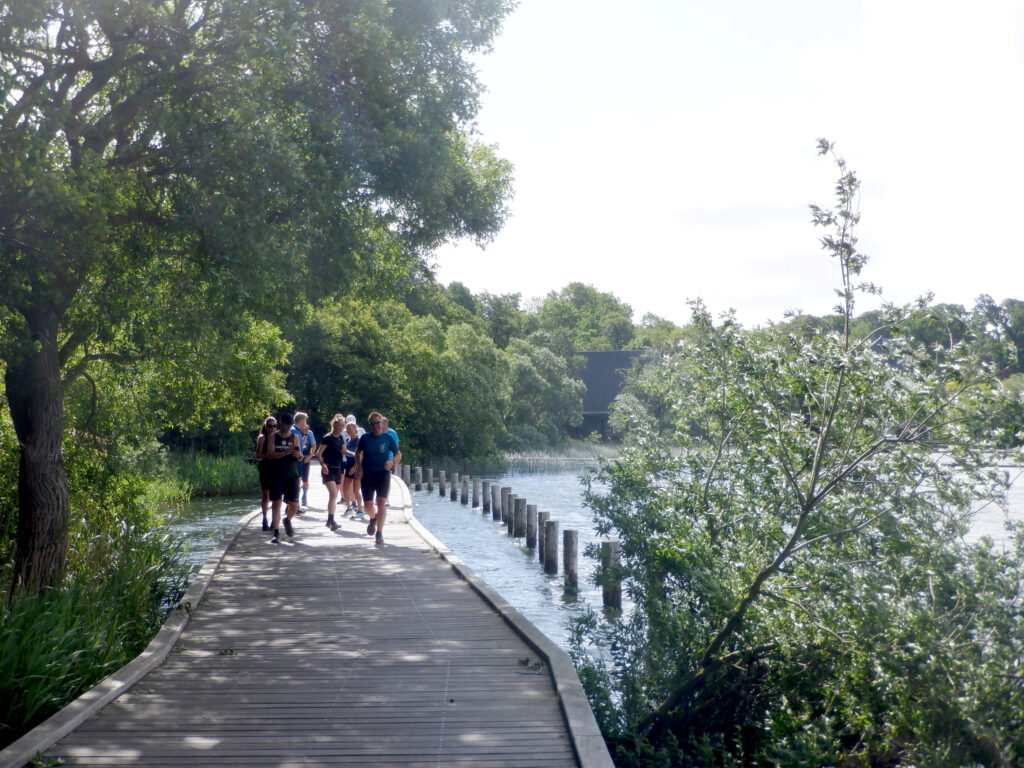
333, 475
266, 475
286, 488
350, 470
378, 483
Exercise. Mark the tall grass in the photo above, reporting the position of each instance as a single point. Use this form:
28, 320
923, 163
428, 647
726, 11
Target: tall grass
571, 454
55, 646
208, 475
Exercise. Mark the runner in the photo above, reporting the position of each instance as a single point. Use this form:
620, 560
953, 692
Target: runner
307, 441
264, 465
285, 454
331, 455
373, 469
350, 487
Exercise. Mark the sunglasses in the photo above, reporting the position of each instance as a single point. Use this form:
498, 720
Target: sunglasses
374, 423
271, 423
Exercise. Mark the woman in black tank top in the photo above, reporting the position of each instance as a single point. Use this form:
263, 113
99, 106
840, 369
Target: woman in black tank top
284, 456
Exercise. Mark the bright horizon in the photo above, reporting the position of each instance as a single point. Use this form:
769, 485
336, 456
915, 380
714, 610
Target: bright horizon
666, 151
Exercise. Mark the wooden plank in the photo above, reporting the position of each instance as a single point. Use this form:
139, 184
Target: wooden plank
332, 651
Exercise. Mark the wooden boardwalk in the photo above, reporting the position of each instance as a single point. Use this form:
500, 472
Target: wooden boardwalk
331, 651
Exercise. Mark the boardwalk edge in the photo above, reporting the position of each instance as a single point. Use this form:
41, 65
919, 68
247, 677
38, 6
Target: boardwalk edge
53, 729
587, 741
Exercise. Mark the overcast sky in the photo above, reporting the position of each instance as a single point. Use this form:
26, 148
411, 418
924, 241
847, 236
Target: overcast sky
665, 150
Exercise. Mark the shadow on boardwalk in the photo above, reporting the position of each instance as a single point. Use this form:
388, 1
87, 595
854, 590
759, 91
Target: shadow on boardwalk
333, 651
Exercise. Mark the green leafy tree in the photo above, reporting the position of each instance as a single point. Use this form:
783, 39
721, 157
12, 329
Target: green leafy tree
545, 400
343, 361
792, 547
176, 165
658, 333
472, 394
505, 320
579, 318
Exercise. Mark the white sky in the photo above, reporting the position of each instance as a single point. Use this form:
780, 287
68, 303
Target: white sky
665, 150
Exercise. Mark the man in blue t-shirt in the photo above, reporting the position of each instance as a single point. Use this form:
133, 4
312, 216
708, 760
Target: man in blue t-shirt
388, 430
376, 453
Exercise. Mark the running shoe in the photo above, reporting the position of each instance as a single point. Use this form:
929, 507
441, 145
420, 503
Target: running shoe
372, 525
288, 527
380, 538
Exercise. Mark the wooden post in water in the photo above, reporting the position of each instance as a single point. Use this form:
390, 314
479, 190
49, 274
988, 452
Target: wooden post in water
505, 491
510, 513
417, 478
406, 474
487, 496
611, 588
465, 490
531, 525
430, 479
570, 560
519, 525
476, 492
440, 482
455, 486
542, 517
495, 502
551, 546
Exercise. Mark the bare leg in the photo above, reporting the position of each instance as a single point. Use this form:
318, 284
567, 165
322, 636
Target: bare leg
382, 513
332, 497
351, 494
277, 514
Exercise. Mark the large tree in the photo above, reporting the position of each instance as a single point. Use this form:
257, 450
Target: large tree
179, 164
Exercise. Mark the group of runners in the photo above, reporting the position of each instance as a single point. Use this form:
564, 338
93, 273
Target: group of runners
354, 463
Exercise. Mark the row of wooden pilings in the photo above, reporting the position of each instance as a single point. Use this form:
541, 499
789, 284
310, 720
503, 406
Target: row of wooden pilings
524, 521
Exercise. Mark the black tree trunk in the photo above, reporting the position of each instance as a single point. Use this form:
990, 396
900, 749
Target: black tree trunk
36, 398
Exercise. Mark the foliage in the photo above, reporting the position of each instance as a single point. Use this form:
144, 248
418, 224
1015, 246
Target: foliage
544, 399
56, 645
657, 333
791, 522
580, 318
206, 475
505, 320
178, 173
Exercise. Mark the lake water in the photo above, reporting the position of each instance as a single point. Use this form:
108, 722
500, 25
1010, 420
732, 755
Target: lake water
506, 564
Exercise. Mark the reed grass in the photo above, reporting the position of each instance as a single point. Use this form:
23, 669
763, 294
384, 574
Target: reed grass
571, 454
204, 474
56, 645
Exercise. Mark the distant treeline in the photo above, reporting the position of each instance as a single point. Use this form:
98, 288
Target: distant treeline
464, 374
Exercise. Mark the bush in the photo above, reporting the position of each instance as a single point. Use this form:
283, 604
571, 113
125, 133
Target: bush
55, 646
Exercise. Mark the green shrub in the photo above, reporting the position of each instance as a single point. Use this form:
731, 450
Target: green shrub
55, 646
